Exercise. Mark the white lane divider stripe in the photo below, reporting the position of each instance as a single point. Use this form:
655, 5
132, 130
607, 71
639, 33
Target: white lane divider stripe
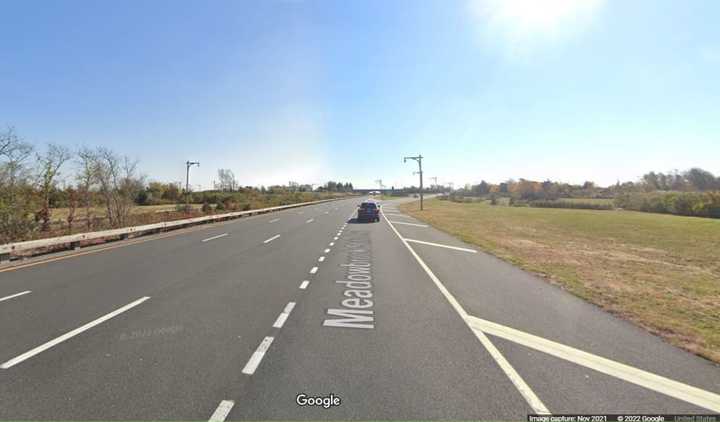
284, 315
73, 333
336, 238
327, 250
528, 394
214, 237
304, 284
274, 220
408, 224
257, 356
321, 259
457, 248
331, 244
310, 220
627, 373
313, 270
15, 295
222, 411
272, 238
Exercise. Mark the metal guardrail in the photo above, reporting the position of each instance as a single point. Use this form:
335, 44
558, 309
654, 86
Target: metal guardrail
75, 239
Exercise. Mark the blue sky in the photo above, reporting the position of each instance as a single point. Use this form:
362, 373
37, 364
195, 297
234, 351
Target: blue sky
316, 90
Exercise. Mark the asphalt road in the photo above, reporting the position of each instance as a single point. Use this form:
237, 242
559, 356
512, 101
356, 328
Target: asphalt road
395, 319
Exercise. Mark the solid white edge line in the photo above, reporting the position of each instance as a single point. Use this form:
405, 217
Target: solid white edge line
272, 238
313, 270
678, 390
70, 334
530, 397
274, 220
15, 295
222, 411
214, 237
257, 356
304, 284
408, 224
457, 248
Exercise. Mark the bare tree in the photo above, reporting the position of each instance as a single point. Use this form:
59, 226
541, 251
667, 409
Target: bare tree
227, 180
119, 184
48, 165
16, 192
87, 179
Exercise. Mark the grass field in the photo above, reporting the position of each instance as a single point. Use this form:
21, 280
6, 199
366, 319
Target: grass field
660, 271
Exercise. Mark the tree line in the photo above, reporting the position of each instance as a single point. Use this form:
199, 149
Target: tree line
98, 188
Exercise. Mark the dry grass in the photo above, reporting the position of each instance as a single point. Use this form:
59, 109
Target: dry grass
660, 271
61, 214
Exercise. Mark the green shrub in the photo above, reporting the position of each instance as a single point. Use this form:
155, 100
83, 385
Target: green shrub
570, 205
694, 204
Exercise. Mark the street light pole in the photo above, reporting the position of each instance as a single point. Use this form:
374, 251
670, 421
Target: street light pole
420, 172
188, 164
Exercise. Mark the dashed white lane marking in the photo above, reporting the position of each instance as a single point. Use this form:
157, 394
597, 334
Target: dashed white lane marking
331, 244
327, 250
335, 238
327, 212
530, 397
284, 315
310, 220
304, 284
257, 356
73, 333
15, 295
321, 259
272, 238
408, 224
222, 411
301, 212
274, 220
457, 248
214, 237
313, 270
627, 373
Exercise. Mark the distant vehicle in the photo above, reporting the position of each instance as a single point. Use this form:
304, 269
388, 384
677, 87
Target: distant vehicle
369, 211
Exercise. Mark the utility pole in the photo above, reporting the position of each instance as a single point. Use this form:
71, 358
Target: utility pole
420, 172
188, 164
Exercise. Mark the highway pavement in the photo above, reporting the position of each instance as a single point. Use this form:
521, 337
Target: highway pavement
255, 318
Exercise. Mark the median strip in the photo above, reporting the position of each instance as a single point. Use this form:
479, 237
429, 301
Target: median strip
69, 335
14, 296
